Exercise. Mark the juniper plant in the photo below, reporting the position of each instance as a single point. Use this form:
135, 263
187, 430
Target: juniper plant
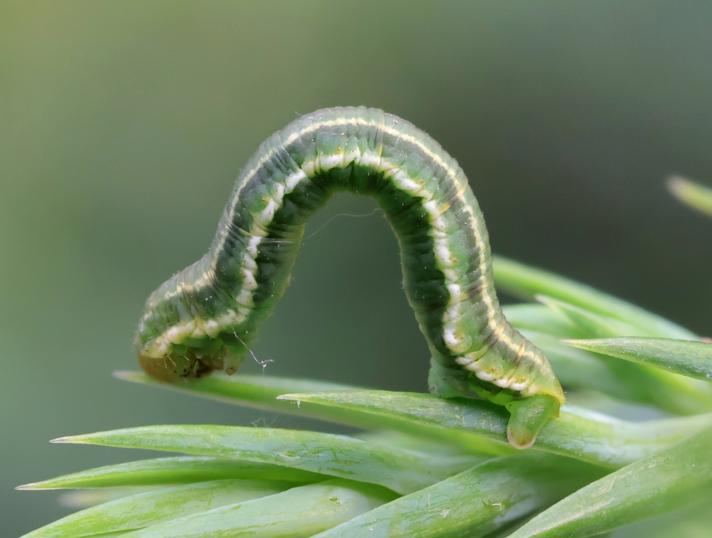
428, 467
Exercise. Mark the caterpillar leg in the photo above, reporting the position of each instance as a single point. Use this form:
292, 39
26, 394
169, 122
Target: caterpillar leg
191, 362
528, 417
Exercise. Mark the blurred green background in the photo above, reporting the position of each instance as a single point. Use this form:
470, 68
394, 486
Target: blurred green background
123, 124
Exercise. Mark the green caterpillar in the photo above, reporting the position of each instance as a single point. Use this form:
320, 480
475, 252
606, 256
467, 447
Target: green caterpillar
204, 317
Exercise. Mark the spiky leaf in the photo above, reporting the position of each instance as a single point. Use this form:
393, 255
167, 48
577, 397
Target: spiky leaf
144, 509
577, 433
691, 358
692, 194
334, 455
472, 503
660, 482
526, 281
297, 513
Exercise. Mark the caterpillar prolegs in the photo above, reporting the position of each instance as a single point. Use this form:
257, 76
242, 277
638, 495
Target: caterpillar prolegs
204, 317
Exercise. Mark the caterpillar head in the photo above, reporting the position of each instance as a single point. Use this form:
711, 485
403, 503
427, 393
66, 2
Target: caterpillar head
180, 364
173, 355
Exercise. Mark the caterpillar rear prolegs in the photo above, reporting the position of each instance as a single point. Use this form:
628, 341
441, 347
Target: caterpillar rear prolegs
204, 317
527, 418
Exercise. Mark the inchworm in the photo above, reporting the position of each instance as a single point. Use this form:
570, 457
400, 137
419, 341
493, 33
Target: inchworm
203, 318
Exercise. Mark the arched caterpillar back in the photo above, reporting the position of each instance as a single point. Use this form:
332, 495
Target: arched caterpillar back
203, 318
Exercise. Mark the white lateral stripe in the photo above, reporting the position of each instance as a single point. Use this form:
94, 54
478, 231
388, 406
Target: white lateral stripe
404, 182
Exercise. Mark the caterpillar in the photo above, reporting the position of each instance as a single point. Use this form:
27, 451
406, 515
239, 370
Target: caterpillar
203, 318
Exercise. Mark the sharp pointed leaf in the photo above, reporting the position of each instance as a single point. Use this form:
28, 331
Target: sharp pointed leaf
588, 323
692, 194
296, 513
144, 509
473, 503
259, 392
255, 391
173, 470
77, 500
580, 370
525, 281
577, 433
335, 455
691, 521
660, 482
540, 319
685, 357
647, 385
577, 369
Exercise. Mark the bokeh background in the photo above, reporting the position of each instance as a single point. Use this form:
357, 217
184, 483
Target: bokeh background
123, 124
